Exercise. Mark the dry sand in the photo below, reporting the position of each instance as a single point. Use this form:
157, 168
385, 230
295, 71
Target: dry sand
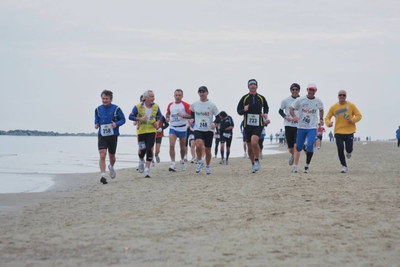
229, 218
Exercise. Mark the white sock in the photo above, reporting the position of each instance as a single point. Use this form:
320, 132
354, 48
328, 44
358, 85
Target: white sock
103, 174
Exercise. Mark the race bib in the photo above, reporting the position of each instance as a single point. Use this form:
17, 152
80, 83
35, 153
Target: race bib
191, 136
253, 119
106, 129
142, 145
226, 135
175, 118
307, 120
203, 124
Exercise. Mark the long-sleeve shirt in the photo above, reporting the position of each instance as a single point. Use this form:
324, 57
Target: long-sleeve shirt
341, 114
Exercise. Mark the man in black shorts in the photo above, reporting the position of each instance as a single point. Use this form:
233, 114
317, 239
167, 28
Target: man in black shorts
107, 118
254, 108
225, 124
290, 125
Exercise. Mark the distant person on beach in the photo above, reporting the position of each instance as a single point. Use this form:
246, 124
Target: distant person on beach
398, 137
244, 139
162, 125
271, 137
308, 107
148, 116
254, 109
331, 136
290, 125
346, 116
178, 115
107, 118
203, 112
320, 134
225, 125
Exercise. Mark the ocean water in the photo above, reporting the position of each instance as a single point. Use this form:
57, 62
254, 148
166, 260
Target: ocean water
29, 163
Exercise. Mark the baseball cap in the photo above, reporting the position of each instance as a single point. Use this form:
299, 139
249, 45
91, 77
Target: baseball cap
252, 81
312, 85
202, 88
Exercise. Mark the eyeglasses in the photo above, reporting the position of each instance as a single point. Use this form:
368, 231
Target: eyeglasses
311, 89
342, 95
295, 89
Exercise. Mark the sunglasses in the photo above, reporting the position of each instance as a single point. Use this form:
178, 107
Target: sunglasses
342, 95
295, 89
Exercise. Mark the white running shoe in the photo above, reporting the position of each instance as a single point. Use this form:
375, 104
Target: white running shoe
141, 166
112, 171
208, 170
147, 173
222, 161
199, 165
344, 169
253, 168
183, 165
153, 163
193, 160
245, 155
185, 158
257, 165
157, 158
172, 168
261, 156
348, 155
291, 159
294, 168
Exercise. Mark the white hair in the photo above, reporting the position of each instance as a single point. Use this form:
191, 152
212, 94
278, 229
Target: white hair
146, 93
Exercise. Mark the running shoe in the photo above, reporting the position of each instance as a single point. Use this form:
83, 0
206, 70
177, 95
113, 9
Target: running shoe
294, 169
208, 170
157, 158
183, 165
344, 169
185, 158
291, 159
253, 168
348, 155
306, 169
245, 155
103, 180
257, 165
172, 168
222, 161
112, 171
199, 165
153, 163
141, 166
193, 160
147, 173
261, 156
226, 162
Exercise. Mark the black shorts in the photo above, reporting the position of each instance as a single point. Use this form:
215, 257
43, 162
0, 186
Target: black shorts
228, 141
158, 140
108, 142
291, 136
319, 137
207, 137
252, 130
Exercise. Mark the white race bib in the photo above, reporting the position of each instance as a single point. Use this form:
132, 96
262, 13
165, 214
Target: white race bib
175, 118
142, 145
253, 119
106, 129
227, 135
203, 124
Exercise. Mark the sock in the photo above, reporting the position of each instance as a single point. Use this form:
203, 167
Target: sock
103, 174
222, 154
227, 155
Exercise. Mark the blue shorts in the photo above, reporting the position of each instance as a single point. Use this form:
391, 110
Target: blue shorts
178, 134
302, 134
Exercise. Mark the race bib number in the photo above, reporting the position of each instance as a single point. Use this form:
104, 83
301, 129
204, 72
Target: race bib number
106, 129
142, 145
226, 135
253, 119
306, 120
203, 125
175, 118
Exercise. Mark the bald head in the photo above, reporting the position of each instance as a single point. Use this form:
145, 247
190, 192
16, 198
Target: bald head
342, 96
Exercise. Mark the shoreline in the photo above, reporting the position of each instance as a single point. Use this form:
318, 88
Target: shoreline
228, 218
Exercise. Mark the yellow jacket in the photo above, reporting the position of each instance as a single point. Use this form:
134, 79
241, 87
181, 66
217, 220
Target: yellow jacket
341, 114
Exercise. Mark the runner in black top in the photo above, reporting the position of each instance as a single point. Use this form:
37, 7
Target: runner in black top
225, 125
254, 108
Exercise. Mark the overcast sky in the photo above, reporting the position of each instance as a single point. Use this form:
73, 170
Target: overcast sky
57, 57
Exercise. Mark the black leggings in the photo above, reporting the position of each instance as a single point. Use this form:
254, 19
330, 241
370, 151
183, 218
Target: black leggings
146, 143
347, 139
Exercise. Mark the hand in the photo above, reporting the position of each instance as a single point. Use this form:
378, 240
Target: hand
144, 118
330, 124
159, 130
180, 115
349, 120
113, 124
246, 108
212, 126
96, 126
167, 119
295, 119
288, 118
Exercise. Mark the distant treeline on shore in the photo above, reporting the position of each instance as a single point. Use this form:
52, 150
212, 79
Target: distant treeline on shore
48, 133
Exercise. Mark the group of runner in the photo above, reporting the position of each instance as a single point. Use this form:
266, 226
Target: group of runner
302, 116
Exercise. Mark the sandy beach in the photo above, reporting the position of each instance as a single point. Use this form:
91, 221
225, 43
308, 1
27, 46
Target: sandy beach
229, 218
